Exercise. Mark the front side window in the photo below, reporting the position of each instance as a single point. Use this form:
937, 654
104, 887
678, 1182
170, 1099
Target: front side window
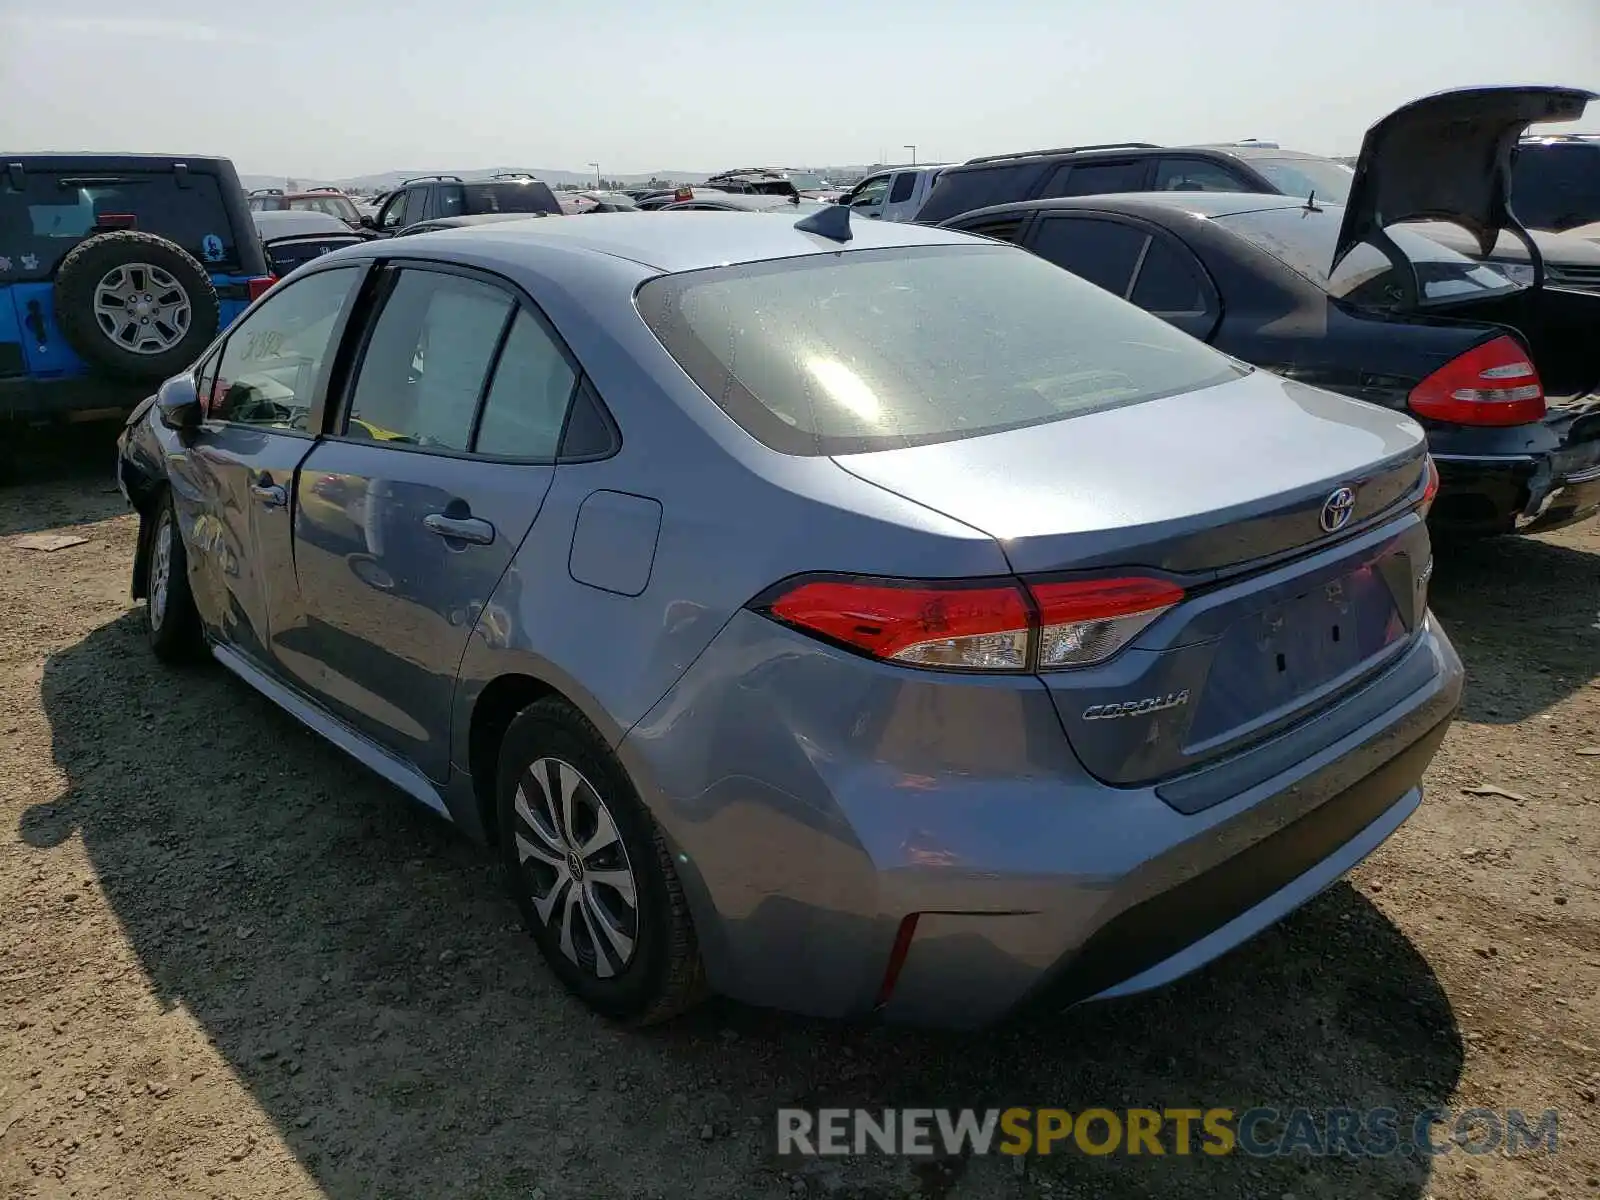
427, 360
877, 349
269, 368
394, 213
1195, 175
1303, 239
871, 193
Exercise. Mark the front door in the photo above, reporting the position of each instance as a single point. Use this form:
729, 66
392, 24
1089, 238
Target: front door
234, 486
410, 511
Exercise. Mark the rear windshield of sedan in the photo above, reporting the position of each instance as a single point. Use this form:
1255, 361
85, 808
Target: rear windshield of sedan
1303, 240
877, 349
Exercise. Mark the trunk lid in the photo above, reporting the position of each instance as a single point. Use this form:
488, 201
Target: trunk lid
1223, 491
1194, 484
1447, 157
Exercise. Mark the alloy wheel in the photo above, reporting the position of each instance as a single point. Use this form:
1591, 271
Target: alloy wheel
576, 867
160, 570
142, 308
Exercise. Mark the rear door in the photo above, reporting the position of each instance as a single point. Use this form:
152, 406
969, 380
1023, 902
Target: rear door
260, 391
409, 512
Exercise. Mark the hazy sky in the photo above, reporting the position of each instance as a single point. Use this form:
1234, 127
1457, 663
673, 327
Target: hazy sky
330, 88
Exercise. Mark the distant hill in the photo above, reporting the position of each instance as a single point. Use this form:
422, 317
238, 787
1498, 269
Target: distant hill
390, 179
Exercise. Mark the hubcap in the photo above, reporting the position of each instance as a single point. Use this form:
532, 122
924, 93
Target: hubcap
141, 308
576, 868
161, 571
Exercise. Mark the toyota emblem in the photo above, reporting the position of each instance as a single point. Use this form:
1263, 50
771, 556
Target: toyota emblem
1337, 509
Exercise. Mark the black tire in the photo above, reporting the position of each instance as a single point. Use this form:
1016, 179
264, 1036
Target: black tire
92, 261
662, 976
171, 621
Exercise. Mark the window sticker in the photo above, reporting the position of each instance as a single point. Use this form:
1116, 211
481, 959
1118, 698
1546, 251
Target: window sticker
211, 247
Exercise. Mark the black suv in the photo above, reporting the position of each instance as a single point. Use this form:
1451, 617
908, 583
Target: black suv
433, 197
753, 181
1132, 167
116, 270
1555, 181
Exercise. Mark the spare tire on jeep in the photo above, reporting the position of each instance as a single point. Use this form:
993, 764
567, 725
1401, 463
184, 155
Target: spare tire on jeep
135, 306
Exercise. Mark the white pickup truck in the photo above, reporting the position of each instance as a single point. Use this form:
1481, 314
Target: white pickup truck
893, 194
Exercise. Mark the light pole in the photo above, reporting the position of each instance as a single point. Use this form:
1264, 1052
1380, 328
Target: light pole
596, 167
913, 150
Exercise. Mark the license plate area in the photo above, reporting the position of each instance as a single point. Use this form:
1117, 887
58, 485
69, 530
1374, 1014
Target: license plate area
1268, 661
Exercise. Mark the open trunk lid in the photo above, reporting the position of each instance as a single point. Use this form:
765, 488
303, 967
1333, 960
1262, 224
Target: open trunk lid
1447, 157
1285, 513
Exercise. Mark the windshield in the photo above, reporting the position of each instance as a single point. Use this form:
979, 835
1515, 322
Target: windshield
1301, 176
1303, 240
875, 349
807, 181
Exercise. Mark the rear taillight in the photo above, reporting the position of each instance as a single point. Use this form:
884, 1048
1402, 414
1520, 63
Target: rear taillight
1492, 384
1087, 621
982, 625
973, 628
260, 285
1430, 489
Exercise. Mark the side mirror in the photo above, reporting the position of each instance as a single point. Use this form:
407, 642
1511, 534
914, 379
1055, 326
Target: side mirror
368, 222
178, 404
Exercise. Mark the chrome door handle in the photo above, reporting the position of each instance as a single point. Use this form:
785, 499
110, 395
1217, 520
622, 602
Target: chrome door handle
460, 529
269, 494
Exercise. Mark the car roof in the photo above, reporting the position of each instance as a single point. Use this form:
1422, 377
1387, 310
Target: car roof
745, 200
1247, 151
1199, 204
685, 241
49, 161
467, 219
273, 223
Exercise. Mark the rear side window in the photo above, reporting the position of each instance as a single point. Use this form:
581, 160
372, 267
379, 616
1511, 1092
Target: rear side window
877, 349
527, 402
426, 364
1097, 178
1103, 252
51, 213
1166, 283
1196, 175
1558, 186
904, 184
960, 190
509, 197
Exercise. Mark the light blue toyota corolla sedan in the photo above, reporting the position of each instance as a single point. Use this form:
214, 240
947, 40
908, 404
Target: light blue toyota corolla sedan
843, 617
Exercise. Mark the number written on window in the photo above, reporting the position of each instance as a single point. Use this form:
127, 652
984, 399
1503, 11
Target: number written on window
269, 368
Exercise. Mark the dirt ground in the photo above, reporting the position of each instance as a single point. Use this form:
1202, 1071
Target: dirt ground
232, 964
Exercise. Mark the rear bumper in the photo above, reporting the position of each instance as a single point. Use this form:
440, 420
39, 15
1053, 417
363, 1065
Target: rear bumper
809, 825
1488, 495
76, 398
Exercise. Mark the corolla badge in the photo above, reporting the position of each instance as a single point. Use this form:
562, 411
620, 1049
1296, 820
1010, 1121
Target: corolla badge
1136, 708
1337, 509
